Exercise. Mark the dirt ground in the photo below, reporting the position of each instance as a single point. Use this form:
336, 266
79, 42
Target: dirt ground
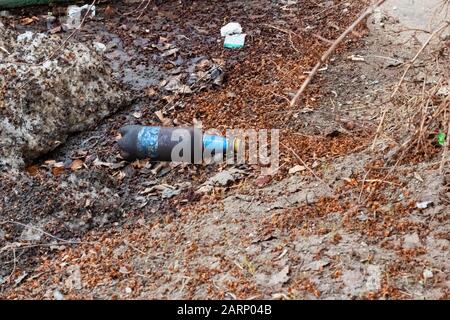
364, 217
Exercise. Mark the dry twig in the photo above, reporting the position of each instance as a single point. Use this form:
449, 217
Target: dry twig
330, 50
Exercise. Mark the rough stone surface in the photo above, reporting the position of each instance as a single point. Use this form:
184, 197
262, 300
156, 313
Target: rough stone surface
44, 100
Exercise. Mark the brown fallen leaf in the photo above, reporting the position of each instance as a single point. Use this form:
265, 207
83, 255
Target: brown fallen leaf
32, 170
296, 169
76, 165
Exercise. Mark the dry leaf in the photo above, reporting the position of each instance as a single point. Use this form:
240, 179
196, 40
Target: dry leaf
32, 170
55, 30
150, 92
263, 180
28, 20
170, 52
57, 170
110, 11
119, 175
137, 114
76, 165
296, 169
139, 164
275, 279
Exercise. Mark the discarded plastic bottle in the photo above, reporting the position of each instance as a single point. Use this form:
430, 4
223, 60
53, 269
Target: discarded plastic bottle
161, 143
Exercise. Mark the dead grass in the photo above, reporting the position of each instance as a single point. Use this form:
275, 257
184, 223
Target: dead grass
419, 110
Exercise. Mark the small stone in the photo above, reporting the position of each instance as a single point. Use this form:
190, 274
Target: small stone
423, 205
170, 52
128, 290
46, 122
296, 169
427, 274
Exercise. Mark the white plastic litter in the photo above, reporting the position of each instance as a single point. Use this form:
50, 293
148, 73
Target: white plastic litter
74, 15
230, 28
423, 205
235, 41
99, 47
